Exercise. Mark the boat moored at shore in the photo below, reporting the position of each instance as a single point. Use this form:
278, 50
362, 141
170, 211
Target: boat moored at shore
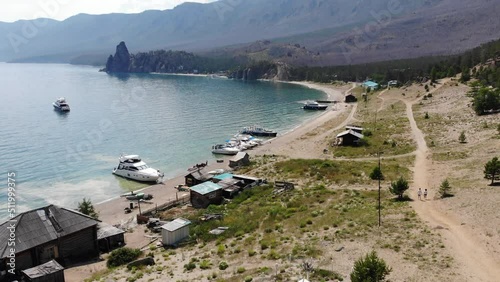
258, 131
225, 149
313, 105
132, 167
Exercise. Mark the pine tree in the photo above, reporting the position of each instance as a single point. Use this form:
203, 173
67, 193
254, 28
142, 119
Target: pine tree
370, 268
399, 187
87, 208
462, 138
444, 189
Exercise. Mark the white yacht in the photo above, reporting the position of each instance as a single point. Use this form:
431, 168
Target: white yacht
133, 167
61, 105
224, 149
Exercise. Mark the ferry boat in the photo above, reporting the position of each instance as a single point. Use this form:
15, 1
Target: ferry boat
313, 105
61, 105
134, 168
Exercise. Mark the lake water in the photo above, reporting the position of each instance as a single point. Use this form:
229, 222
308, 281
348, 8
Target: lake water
170, 121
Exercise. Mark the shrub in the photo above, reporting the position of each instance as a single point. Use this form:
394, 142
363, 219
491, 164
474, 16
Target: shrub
370, 269
223, 265
241, 269
376, 174
426, 115
248, 279
445, 189
399, 187
122, 256
205, 264
190, 266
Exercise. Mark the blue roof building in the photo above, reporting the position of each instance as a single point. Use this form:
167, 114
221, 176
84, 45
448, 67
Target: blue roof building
370, 84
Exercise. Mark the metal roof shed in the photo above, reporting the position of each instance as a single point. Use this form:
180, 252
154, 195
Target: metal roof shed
204, 194
48, 272
175, 231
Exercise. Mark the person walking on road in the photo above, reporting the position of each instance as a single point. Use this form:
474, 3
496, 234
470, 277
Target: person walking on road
419, 193
425, 194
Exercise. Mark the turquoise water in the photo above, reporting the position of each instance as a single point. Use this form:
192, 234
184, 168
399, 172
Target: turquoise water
170, 121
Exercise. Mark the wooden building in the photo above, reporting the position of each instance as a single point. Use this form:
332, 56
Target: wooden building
49, 233
355, 128
349, 138
197, 176
175, 231
241, 159
109, 237
350, 98
205, 194
48, 272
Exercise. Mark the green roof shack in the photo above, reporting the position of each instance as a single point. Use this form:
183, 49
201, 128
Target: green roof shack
205, 194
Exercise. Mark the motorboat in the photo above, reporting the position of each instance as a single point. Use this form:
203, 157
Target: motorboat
225, 149
61, 105
313, 105
134, 168
258, 131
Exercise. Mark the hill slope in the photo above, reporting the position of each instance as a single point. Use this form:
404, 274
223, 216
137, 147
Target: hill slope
189, 26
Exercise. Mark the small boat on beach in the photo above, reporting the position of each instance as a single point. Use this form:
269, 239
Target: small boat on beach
225, 149
61, 105
313, 105
134, 168
258, 131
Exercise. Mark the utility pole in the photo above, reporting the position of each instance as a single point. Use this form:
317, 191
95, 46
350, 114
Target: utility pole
379, 206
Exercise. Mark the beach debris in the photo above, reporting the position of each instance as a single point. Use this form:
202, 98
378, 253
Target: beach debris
207, 217
218, 230
282, 186
339, 249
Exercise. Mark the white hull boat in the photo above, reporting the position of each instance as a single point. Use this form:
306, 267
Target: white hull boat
224, 149
132, 167
61, 105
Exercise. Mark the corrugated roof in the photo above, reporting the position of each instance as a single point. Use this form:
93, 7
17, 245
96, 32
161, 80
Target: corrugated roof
239, 156
205, 188
176, 224
105, 230
42, 225
43, 269
223, 176
353, 127
350, 132
370, 83
200, 174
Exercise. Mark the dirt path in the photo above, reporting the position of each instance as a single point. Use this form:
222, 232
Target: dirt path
474, 262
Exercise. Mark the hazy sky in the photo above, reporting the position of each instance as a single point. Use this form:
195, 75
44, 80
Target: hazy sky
12, 10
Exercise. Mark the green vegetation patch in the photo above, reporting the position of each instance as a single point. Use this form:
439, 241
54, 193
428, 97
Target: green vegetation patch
341, 172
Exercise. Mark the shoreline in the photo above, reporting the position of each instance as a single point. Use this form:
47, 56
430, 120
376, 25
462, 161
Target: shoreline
112, 210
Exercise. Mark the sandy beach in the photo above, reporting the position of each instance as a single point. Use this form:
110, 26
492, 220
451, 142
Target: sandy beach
292, 144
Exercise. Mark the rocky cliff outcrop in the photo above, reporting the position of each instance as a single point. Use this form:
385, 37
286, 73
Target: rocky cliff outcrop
120, 62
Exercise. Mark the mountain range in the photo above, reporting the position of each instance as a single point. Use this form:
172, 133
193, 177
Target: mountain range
326, 31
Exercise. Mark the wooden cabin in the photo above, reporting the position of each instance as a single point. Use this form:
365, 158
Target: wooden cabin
109, 237
205, 194
50, 233
349, 138
241, 159
350, 98
197, 176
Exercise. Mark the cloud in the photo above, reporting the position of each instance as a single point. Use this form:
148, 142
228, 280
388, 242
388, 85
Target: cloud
61, 9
